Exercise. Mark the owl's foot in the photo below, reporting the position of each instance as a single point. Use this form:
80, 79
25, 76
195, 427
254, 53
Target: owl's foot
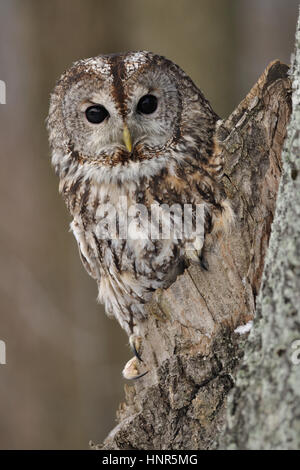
135, 342
131, 370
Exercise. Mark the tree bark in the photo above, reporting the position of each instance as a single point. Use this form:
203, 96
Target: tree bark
190, 346
263, 411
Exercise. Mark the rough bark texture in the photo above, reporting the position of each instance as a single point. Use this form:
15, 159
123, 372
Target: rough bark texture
263, 410
190, 347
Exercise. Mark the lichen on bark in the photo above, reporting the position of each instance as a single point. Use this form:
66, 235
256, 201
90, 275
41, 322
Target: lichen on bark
263, 411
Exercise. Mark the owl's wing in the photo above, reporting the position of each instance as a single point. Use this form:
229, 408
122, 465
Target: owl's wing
84, 248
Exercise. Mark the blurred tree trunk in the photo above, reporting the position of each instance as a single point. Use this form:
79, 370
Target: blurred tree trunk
263, 411
190, 345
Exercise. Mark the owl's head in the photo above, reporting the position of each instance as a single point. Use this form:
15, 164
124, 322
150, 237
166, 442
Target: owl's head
119, 116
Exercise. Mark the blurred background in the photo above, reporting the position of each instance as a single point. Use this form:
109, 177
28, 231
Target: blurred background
62, 382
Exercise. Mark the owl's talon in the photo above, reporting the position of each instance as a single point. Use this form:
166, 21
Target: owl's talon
131, 371
135, 342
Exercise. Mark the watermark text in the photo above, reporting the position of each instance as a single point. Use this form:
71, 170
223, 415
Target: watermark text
2, 92
2, 352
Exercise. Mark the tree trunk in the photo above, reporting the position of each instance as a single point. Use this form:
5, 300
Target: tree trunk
263, 411
190, 346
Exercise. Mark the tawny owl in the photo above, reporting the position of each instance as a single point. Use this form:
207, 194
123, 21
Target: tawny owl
131, 136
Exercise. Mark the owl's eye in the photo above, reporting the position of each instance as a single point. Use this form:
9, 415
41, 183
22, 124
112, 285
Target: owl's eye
96, 114
147, 104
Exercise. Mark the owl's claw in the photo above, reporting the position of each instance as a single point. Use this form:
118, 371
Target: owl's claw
135, 342
131, 371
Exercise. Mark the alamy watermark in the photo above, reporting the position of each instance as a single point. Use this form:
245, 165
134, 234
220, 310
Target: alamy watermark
2, 92
2, 343
157, 222
2, 352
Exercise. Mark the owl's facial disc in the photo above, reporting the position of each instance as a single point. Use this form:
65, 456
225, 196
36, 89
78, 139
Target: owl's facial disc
121, 115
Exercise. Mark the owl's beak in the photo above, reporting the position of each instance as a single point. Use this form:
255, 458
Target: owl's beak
127, 138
